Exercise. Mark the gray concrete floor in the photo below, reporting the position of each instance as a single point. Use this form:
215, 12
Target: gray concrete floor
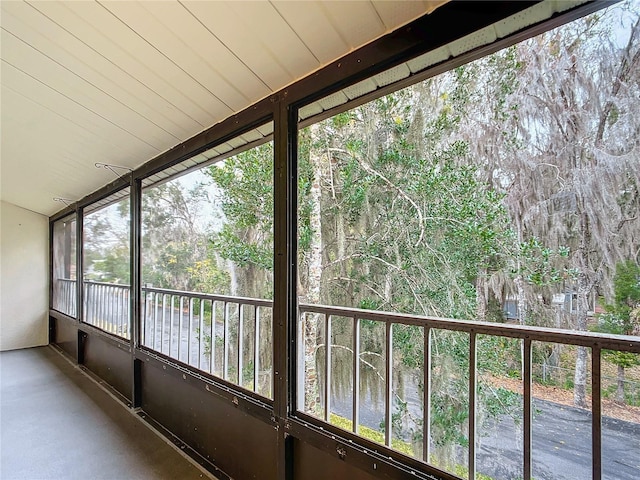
57, 423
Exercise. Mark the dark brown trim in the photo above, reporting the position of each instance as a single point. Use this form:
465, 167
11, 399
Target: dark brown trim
62, 316
450, 22
283, 317
135, 269
246, 120
467, 57
79, 263
240, 399
193, 454
119, 342
371, 457
211, 161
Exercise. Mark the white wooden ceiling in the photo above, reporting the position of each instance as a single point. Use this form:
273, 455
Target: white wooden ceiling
86, 82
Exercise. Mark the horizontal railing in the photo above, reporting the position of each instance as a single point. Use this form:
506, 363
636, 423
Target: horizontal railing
106, 306
526, 334
226, 336
231, 338
64, 296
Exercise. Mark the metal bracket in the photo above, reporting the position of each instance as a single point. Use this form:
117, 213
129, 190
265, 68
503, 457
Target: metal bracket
112, 168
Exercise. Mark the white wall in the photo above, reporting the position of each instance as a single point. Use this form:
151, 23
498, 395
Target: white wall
24, 278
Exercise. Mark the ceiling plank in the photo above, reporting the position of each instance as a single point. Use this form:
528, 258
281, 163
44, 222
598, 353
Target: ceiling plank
210, 88
368, 27
209, 51
314, 28
102, 31
236, 35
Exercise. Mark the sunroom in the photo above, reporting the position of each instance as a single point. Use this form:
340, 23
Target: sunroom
311, 240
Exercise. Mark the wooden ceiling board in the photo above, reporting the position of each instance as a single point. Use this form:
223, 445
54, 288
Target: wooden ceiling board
368, 27
314, 28
52, 166
211, 50
393, 14
120, 82
170, 57
61, 80
269, 29
233, 32
65, 49
114, 40
191, 46
34, 92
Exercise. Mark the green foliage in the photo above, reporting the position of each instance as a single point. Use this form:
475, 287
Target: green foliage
244, 188
541, 265
619, 318
626, 285
106, 244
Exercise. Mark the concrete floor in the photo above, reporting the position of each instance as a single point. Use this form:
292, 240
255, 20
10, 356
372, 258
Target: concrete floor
57, 423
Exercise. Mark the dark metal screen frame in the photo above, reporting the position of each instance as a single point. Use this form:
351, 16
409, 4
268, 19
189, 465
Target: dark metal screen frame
448, 23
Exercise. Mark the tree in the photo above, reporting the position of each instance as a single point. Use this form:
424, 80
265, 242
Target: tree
622, 318
106, 244
243, 189
175, 251
574, 179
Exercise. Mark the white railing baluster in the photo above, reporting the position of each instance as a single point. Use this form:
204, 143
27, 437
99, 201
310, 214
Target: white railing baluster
256, 348
426, 409
327, 367
388, 383
356, 375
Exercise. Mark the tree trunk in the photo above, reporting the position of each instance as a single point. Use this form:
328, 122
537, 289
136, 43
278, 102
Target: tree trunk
620, 390
580, 377
311, 291
482, 294
522, 302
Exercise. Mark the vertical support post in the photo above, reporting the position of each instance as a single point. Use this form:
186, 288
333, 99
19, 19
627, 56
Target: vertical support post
284, 268
135, 295
80, 280
52, 281
388, 383
426, 409
356, 375
596, 414
472, 403
52, 278
80, 265
526, 379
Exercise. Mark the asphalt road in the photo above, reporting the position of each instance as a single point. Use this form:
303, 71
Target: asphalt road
561, 438
561, 450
